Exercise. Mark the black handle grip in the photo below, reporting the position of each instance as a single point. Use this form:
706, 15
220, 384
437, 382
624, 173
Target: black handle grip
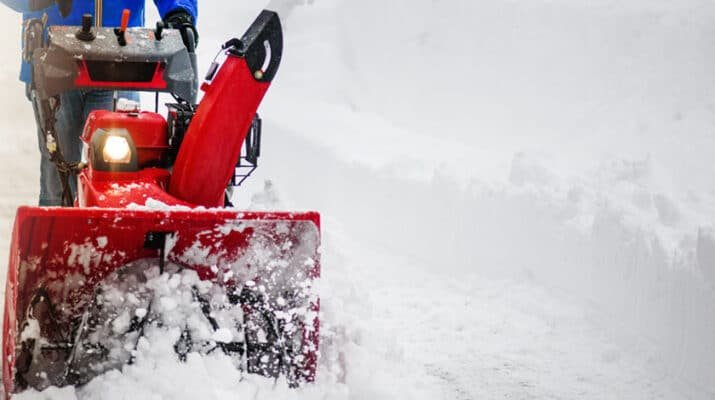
159, 32
190, 40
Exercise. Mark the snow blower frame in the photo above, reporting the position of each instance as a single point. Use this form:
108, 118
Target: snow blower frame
152, 190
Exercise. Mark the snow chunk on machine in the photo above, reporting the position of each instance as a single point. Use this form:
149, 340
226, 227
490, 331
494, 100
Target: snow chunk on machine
150, 203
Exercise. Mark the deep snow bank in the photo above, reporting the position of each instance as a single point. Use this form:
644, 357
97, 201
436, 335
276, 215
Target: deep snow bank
648, 286
565, 143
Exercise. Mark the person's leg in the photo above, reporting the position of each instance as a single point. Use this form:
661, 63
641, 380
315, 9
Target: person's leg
133, 96
47, 170
67, 116
48, 173
97, 100
68, 125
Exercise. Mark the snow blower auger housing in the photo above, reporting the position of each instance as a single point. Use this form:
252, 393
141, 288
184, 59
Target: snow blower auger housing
82, 281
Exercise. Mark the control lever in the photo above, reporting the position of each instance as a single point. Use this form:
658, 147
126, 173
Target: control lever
122, 30
159, 32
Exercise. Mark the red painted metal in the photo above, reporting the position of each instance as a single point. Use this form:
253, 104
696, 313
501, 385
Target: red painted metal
124, 189
147, 129
212, 145
42, 243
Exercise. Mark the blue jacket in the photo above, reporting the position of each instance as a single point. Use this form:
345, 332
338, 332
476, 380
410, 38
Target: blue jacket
110, 12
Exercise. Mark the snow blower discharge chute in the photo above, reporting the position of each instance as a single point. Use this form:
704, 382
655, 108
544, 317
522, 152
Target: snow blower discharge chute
146, 242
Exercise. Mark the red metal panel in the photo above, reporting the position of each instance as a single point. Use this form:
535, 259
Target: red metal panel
122, 189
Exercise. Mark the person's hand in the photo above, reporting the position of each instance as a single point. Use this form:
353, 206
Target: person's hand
184, 22
65, 6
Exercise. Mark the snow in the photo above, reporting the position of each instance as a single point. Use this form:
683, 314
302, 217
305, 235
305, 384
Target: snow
222, 336
31, 331
102, 242
156, 205
517, 199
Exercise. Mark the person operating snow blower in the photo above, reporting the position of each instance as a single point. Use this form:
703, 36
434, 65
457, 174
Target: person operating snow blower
87, 284
57, 183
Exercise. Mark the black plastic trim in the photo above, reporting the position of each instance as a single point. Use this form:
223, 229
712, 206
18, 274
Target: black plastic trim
265, 30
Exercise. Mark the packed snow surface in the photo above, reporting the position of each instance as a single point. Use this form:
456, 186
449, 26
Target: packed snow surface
517, 198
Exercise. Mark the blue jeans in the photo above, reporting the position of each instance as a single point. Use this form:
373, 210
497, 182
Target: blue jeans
75, 106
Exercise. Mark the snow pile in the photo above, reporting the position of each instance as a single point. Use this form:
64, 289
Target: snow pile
157, 205
139, 301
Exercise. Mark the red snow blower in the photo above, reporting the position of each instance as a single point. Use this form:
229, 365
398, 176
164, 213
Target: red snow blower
150, 205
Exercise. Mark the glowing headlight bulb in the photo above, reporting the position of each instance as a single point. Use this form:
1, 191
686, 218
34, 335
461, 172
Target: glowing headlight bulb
117, 150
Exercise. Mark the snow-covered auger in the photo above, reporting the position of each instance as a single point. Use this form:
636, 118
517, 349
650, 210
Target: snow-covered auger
148, 242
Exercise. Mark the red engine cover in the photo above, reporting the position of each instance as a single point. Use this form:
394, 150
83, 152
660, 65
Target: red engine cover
148, 130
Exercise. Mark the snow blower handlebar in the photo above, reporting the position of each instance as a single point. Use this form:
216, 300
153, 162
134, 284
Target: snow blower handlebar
116, 59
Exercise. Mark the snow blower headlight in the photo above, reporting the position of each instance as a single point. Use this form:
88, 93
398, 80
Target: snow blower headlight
113, 150
117, 150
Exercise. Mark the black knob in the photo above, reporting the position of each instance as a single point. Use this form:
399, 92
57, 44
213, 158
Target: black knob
86, 22
159, 30
86, 33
